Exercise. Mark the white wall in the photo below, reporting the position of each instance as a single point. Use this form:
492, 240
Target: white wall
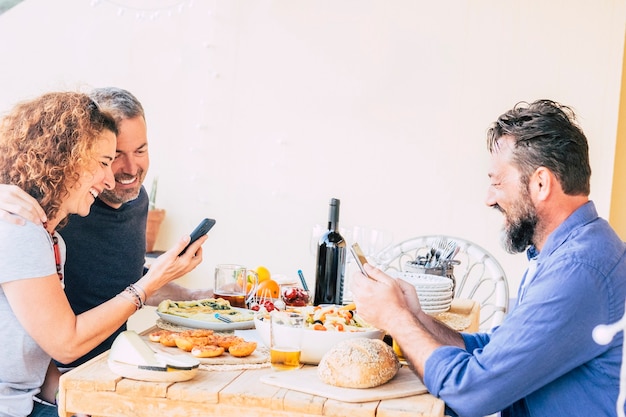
260, 111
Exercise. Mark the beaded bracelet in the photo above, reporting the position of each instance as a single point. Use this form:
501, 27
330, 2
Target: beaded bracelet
140, 288
127, 295
133, 290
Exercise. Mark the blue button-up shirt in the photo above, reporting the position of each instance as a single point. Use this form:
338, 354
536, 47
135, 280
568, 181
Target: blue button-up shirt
542, 360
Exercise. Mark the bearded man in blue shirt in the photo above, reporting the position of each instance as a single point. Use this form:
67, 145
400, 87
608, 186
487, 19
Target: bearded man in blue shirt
542, 360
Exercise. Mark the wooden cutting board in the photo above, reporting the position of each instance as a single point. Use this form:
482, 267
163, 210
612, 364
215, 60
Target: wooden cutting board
404, 384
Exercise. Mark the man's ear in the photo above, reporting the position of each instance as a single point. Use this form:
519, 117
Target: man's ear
541, 183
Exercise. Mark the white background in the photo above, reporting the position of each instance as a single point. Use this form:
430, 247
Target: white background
260, 111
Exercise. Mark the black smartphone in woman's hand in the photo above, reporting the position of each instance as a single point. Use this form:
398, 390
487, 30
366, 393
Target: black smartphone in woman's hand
201, 230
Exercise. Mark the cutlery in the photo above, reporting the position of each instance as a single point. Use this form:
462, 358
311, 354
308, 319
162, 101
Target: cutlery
223, 318
302, 280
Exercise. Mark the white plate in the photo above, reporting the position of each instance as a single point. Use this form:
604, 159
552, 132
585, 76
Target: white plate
211, 325
431, 290
434, 287
426, 281
434, 305
434, 297
447, 300
435, 310
423, 298
437, 287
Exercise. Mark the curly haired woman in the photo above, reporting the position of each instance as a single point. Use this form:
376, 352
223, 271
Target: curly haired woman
59, 148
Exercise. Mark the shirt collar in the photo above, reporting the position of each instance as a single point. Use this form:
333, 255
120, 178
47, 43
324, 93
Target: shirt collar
581, 216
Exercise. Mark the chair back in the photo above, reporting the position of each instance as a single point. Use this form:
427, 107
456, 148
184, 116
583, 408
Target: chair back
478, 275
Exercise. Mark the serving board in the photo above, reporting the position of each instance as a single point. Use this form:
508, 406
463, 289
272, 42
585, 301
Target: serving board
134, 372
404, 384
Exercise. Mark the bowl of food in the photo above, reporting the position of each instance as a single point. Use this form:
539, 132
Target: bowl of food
325, 326
294, 296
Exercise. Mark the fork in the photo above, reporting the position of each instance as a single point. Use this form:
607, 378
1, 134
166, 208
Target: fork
449, 250
223, 318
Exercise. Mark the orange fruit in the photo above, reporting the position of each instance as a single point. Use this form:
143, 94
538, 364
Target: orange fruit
263, 273
268, 289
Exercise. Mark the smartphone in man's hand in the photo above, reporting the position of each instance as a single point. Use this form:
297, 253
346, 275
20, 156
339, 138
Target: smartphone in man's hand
360, 258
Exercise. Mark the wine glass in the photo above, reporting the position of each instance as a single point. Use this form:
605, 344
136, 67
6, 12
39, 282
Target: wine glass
372, 242
316, 232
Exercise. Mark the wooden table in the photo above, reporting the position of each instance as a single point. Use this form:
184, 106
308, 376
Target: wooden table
94, 389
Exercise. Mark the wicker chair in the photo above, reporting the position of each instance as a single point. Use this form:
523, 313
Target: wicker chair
478, 275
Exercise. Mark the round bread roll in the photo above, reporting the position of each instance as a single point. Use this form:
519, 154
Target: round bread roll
358, 363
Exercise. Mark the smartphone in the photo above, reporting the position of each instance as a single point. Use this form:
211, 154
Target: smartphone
360, 258
201, 230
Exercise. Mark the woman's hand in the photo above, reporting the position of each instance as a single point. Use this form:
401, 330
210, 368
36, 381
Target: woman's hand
171, 266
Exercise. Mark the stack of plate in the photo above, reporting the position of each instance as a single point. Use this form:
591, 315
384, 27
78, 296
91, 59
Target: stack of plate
433, 291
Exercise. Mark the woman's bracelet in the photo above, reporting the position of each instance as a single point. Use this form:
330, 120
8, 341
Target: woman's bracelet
135, 290
131, 294
140, 288
125, 295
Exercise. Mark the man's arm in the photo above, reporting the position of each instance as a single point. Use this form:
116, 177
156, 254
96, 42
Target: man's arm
439, 330
17, 206
393, 305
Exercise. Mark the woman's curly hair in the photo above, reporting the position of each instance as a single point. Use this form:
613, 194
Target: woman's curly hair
46, 143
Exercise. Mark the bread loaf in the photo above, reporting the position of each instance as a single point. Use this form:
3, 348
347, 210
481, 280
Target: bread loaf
358, 363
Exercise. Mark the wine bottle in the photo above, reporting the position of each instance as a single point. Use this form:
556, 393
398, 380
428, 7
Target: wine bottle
331, 261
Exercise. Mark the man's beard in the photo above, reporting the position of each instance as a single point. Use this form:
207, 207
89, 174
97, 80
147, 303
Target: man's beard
519, 231
118, 196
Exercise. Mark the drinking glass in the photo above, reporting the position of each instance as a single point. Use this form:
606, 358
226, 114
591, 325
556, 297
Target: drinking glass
396, 348
235, 283
285, 340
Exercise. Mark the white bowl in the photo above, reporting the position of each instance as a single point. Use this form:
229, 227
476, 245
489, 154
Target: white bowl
315, 343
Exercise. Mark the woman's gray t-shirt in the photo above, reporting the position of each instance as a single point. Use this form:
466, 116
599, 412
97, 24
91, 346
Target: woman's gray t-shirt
25, 252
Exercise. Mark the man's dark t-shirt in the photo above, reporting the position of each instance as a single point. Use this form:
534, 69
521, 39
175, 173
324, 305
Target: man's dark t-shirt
105, 253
